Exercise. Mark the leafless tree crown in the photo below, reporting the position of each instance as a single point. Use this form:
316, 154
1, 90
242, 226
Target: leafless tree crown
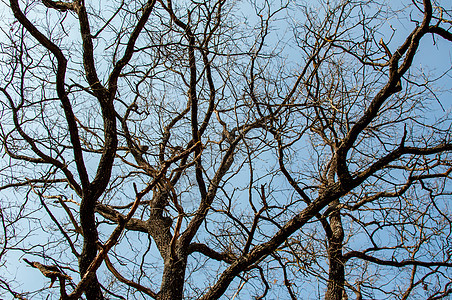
160, 149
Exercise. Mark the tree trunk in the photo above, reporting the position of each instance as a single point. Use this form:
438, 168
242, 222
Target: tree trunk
173, 279
336, 278
89, 251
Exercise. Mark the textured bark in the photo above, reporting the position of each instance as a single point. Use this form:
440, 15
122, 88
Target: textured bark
172, 287
89, 251
336, 277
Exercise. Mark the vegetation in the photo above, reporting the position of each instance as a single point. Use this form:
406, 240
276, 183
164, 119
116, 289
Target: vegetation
202, 149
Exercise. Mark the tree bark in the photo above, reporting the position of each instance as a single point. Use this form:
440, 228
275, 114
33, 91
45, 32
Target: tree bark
173, 279
89, 251
336, 275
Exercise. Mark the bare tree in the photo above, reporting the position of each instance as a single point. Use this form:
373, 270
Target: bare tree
212, 149
379, 162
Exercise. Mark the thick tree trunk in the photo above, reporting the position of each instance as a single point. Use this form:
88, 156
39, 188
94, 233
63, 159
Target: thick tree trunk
89, 251
173, 279
93, 290
336, 278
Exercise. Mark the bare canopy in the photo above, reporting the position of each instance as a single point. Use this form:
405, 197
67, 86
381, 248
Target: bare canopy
222, 149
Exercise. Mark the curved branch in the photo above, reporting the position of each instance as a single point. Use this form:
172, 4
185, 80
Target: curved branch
131, 283
209, 252
394, 263
60, 77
